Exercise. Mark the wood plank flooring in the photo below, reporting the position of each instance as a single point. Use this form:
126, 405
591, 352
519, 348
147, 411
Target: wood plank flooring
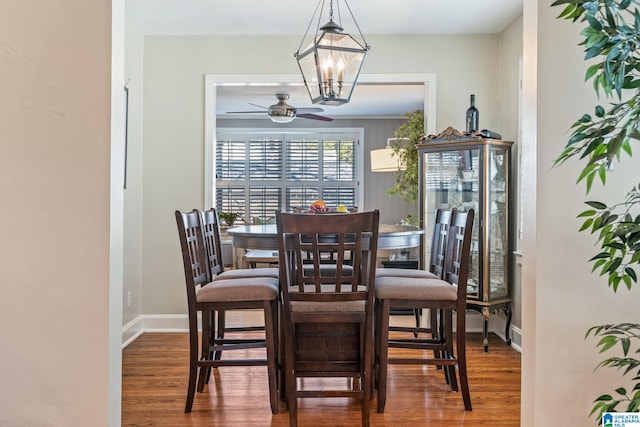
154, 385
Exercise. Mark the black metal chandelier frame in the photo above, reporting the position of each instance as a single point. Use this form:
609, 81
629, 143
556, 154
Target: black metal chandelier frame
331, 63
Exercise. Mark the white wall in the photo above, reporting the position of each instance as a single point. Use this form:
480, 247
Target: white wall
510, 48
56, 355
174, 69
133, 194
561, 298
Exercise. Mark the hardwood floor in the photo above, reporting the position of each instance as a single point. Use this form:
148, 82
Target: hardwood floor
154, 384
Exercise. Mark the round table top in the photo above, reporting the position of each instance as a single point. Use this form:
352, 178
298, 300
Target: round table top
390, 236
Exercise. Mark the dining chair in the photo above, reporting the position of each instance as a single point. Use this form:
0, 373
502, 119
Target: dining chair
210, 223
327, 315
207, 297
434, 271
213, 242
448, 294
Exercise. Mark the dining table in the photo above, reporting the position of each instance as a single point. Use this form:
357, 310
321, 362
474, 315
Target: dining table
390, 236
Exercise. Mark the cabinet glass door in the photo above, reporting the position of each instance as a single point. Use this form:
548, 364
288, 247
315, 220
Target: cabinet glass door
496, 224
473, 173
452, 179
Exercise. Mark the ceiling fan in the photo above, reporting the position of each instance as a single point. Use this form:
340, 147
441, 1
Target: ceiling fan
281, 112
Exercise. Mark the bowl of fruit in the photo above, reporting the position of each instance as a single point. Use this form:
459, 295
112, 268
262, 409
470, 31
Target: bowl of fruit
320, 207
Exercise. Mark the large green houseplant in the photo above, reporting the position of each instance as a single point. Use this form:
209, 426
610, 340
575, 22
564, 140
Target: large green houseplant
408, 135
612, 44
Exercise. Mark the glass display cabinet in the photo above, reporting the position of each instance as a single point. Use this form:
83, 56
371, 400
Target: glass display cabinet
473, 173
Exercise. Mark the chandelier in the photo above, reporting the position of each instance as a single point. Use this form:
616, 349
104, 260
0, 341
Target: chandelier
330, 64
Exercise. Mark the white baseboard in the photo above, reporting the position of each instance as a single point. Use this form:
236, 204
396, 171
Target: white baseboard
180, 323
516, 339
131, 331
153, 323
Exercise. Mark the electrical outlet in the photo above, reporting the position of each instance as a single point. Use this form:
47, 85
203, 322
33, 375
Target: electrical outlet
129, 298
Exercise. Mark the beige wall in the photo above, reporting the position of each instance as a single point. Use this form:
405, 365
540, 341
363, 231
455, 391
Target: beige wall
59, 263
173, 161
561, 298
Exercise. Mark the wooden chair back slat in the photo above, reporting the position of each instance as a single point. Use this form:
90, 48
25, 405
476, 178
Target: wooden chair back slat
211, 231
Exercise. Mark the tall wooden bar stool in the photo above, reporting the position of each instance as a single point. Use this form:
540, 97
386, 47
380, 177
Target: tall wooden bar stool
207, 297
328, 313
434, 271
448, 294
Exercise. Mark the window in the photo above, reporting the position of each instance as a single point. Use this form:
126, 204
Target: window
260, 172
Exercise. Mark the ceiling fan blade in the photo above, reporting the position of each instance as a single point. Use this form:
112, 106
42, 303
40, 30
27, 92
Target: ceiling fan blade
259, 106
314, 117
246, 112
308, 110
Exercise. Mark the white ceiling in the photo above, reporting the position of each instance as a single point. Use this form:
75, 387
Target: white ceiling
291, 17
281, 17
367, 100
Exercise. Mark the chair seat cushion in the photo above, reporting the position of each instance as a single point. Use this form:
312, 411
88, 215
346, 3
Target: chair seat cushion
407, 288
244, 273
246, 289
405, 272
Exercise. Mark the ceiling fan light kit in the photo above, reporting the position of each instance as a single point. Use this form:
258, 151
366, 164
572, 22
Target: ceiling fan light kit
282, 112
330, 64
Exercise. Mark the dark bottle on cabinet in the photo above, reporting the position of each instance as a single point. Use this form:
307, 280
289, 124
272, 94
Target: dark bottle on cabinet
472, 116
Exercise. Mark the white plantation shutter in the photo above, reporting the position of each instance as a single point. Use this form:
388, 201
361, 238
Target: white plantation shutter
336, 196
301, 196
230, 199
264, 202
303, 160
339, 160
265, 160
260, 173
230, 159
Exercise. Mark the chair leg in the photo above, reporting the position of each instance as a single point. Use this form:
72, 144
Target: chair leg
435, 334
450, 371
211, 341
205, 352
290, 378
367, 374
219, 333
416, 313
270, 325
383, 358
193, 361
462, 357
376, 345
292, 404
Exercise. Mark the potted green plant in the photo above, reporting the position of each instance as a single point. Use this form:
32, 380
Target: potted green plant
408, 135
612, 44
229, 217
